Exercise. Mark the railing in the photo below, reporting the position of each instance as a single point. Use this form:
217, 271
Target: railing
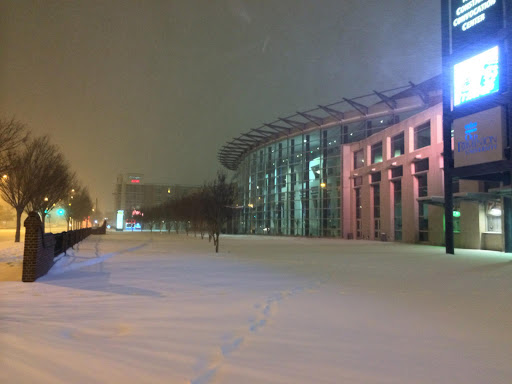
41, 249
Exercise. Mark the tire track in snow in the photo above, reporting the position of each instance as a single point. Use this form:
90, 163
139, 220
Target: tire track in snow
235, 342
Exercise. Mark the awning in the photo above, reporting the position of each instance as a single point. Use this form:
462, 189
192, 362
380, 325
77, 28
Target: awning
480, 197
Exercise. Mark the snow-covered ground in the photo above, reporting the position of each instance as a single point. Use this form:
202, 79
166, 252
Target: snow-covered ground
159, 308
11, 256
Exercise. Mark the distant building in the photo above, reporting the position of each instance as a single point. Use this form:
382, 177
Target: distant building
131, 193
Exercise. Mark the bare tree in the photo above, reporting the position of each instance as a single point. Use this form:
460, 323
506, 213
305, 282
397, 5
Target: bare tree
77, 205
53, 182
149, 216
12, 134
167, 210
26, 165
80, 207
219, 197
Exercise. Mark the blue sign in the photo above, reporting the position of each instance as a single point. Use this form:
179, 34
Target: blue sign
478, 137
473, 143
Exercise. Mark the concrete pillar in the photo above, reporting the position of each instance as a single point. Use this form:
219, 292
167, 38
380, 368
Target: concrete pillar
507, 224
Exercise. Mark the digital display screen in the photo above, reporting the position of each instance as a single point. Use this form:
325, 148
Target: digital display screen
476, 77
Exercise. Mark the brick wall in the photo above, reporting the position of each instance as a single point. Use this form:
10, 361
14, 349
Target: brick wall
100, 230
39, 251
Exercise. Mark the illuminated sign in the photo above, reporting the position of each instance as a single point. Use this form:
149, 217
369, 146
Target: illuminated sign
474, 19
135, 179
478, 138
476, 77
120, 220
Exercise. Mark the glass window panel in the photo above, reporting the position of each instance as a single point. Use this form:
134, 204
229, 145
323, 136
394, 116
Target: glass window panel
422, 185
493, 217
376, 153
397, 172
422, 136
397, 145
359, 159
421, 165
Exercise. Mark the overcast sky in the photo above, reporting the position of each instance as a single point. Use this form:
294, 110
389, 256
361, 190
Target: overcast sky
157, 87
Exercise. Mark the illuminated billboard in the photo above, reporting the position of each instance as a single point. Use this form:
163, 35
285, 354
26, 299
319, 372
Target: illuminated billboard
120, 220
476, 77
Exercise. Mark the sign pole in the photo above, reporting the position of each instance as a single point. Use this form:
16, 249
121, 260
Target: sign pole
447, 127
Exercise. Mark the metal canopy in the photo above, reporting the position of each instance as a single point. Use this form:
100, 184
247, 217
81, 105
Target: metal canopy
388, 100
253, 136
419, 92
341, 112
278, 128
480, 197
333, 112
293, 123
240, 145
363, 109
314, 119
265, 133
248, 141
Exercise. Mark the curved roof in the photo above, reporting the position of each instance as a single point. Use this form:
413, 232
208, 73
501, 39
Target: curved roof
373, 105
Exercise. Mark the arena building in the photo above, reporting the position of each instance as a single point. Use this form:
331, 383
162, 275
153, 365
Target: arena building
369, 167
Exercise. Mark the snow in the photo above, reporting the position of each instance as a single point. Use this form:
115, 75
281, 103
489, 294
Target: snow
160, 308
11, 257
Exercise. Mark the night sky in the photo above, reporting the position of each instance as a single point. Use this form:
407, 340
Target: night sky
157, 87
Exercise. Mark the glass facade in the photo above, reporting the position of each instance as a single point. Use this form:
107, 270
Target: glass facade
292, 187
422, 183
376, 211
397, 203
